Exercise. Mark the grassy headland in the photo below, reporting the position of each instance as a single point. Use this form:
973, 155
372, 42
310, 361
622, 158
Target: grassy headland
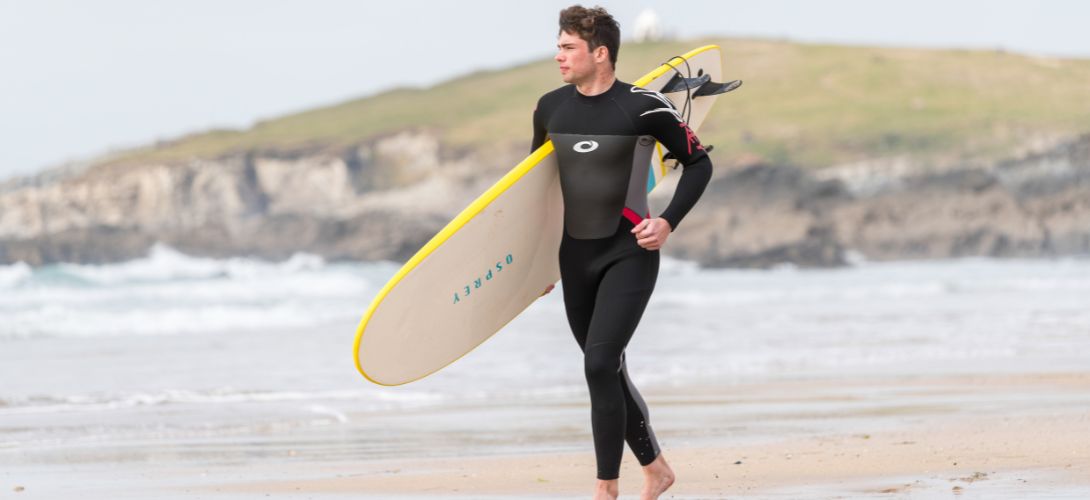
805, 104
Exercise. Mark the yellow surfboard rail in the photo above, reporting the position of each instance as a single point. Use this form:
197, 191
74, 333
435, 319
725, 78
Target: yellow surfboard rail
475, 208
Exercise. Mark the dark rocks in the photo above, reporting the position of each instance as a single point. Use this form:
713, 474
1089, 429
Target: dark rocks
765, 215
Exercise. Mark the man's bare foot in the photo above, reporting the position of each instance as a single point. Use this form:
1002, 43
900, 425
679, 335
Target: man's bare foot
606, 490
657, 478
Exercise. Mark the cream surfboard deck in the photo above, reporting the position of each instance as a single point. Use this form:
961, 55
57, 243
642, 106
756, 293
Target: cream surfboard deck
493, 260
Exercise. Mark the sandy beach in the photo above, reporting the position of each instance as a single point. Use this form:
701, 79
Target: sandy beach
1023, 436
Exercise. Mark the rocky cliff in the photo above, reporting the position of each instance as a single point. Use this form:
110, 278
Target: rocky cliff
373, 201
383, 198
1037, 205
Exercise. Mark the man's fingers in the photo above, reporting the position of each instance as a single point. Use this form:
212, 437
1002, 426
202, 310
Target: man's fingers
647, 234
652, 226
649, 228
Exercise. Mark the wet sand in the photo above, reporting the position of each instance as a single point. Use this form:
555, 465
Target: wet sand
1000, 436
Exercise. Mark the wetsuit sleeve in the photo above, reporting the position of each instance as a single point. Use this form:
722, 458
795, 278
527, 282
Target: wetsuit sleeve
666, 125
539, 126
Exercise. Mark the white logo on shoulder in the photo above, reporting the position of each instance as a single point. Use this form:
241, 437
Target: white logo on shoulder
585, 146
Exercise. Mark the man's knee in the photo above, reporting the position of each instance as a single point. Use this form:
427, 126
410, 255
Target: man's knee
601, 362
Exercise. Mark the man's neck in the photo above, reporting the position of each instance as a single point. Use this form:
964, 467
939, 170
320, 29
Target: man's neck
600, 83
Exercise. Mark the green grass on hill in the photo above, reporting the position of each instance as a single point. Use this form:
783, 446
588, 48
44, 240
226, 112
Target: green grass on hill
811, 105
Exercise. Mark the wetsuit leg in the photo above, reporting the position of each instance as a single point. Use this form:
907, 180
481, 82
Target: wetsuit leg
607, 283
638, 432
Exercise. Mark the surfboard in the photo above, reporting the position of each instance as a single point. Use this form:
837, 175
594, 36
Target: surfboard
497, 256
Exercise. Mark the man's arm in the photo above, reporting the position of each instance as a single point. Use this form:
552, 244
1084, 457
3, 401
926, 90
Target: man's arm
665, 124
539, 139
539, 127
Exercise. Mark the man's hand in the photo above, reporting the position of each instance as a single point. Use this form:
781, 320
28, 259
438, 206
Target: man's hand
652, 233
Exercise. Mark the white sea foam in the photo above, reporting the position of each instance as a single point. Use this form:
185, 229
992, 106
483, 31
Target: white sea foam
166, 264
121, 400
14, 275
169, 293
337, 415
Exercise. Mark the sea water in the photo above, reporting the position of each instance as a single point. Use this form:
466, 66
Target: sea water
239, 359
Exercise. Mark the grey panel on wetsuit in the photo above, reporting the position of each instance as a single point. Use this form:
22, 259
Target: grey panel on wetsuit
595, 171
641, 166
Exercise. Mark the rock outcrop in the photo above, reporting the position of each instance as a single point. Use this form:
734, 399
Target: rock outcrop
762, 215
383, 199
380, 200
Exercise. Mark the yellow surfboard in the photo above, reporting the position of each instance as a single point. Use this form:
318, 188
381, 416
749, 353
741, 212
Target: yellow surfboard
493, 260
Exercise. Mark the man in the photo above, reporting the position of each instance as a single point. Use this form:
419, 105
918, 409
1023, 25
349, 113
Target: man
604, 133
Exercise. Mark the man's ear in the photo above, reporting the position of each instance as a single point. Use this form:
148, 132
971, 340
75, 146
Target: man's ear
601, 52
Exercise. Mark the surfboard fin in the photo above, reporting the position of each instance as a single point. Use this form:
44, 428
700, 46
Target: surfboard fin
713, 88
679, 83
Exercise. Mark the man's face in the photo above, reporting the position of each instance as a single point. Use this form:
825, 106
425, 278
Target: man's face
576, 61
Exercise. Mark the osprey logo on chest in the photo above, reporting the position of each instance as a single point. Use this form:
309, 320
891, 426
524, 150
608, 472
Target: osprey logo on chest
585, 146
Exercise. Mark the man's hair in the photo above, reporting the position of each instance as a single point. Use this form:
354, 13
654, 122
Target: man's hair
595, 26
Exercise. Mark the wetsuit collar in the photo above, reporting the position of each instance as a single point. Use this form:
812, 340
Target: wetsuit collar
578, 94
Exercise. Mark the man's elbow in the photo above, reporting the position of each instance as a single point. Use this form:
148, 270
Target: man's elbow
699, 169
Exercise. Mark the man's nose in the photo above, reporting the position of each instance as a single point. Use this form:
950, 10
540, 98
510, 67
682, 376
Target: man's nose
559, 57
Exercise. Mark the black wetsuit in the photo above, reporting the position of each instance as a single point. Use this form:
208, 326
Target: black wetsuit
604, 145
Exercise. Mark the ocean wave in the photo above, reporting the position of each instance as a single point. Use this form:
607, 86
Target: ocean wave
170, 293
924, 280
104, 402
164, 263
371, 399
60, 321
13, 275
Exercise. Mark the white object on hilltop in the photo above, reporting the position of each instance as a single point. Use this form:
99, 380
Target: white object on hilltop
647, 28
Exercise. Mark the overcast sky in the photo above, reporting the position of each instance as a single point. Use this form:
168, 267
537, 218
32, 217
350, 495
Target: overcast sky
78, 78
